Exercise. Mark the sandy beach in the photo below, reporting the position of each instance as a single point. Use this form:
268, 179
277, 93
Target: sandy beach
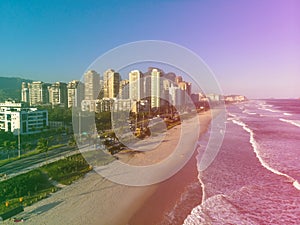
96, 200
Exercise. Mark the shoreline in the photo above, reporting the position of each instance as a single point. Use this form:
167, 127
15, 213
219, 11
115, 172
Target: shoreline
169, 193
96, 200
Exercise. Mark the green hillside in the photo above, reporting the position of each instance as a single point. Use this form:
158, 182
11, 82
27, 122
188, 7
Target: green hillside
10, 87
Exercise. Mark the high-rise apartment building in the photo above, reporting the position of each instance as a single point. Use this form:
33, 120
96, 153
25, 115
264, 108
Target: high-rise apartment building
58, 94
177, 96
185, 86
147, 87
111, 85
91, 85
171, 76
38, 93
75, 93
178, 79
25, 92
136, 85
124, 89
155, 88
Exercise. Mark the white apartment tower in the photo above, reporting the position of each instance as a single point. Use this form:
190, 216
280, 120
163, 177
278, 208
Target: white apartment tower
58, 94
136, 85
25, 92
111, 85
38, 93
75, 93
124, 89
91, 85
155, 88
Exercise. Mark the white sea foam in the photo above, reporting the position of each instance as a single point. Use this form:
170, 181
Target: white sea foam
203, 188
270, 110
256, 150
249, 113
287, 114
293, 122
296, 185
230, 115
221, 211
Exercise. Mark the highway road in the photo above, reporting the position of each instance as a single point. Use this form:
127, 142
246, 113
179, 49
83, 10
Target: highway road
29, 163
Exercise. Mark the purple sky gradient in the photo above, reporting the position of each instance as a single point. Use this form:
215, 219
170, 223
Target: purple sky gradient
253, 47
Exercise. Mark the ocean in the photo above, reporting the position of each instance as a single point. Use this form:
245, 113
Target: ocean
255, 177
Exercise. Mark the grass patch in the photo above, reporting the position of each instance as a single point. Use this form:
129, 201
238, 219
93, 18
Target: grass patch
67, 170
56, 146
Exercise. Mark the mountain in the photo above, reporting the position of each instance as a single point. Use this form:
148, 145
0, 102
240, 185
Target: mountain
10, 87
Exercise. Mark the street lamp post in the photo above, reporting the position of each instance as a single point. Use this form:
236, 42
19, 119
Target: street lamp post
19, 144
79, 126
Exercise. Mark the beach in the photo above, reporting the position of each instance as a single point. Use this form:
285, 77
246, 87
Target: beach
96, 200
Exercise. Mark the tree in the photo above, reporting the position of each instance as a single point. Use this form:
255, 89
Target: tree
6, 136
103, 121
27, 146
51, 140
43, 145
6, 145
72, 141
9, 145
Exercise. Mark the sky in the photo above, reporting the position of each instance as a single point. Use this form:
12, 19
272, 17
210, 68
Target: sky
253, 47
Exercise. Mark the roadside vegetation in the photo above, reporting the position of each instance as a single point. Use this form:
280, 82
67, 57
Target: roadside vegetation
28, 188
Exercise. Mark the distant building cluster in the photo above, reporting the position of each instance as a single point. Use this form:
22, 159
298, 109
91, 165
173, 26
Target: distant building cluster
150, 90
97, 93
153, 89
56, 94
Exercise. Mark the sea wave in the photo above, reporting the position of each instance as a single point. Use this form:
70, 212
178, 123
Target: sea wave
221, 210
269, 110
249, 113
293, 122
255, 147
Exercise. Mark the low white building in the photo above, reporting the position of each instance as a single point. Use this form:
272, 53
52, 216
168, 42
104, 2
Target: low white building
235, 98
14, 117
214, 97
122, 105
89, 105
